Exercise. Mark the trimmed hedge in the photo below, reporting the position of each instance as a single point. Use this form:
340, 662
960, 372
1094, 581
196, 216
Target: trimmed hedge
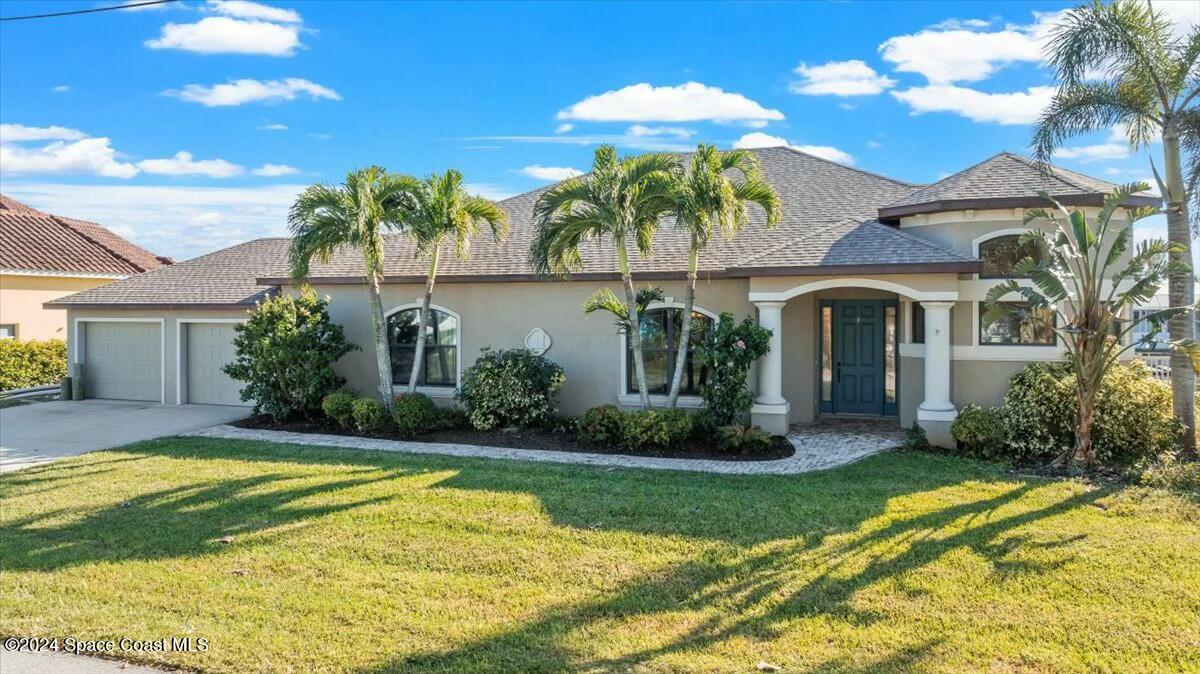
31, 363
979, 433
510, 388
414, 413
339, 406
370, 416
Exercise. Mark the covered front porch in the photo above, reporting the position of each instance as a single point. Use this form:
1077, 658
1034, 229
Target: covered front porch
836, 350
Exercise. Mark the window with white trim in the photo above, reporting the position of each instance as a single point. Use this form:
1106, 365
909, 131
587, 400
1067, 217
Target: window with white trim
441, 347
8, 330
1019, 326
660, 339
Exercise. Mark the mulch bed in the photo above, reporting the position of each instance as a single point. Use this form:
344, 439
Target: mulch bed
525, 438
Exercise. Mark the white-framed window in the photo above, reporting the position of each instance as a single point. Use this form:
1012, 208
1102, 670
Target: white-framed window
8, 330
1016, 327
660, 327
441, 346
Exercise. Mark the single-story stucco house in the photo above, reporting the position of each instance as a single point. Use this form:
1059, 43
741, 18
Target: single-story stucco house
872, 288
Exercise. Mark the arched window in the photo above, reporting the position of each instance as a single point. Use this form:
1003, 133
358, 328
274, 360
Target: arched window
660, 338
1001, 254
441, 347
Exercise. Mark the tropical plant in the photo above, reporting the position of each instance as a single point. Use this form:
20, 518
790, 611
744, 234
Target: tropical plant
285, 354
711, 194
1071, 266
605, 299
621, 200
440, 209
1121, 65
740, 439
729, 352
327, 218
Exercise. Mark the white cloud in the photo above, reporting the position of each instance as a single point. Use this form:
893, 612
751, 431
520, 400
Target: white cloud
488, 191
243, 9
181, 222
1116, 147
88, 155
758, 139
564, 128
273, 127
321, 136
673, 131
61, 88
839, 78
275, 170
184, 164
16, 133
955, 24
240, 92
1020, 107
688, 102
225, 35
554, 173
956, 54
644, 143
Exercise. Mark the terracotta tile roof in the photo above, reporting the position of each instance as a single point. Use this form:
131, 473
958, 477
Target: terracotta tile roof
33, 240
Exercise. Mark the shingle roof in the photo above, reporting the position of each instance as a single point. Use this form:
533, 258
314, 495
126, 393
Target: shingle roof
1002, 181
33, 240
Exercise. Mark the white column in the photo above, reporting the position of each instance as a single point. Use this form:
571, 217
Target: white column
937, 405
770, 411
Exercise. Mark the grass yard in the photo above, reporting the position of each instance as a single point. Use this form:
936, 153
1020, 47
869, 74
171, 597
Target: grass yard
342, 561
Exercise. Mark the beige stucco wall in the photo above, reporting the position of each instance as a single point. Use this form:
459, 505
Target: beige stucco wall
21, 299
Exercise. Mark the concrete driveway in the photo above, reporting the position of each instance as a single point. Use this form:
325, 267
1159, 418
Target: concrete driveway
40, 432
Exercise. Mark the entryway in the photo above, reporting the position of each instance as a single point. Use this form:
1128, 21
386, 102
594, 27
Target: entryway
858, 357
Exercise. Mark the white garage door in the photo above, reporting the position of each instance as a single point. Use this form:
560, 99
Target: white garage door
123, 361
210, 348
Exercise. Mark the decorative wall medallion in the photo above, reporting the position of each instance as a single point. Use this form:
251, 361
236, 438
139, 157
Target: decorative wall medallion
538, 341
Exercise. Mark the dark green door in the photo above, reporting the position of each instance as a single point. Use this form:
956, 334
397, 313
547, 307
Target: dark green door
858, 336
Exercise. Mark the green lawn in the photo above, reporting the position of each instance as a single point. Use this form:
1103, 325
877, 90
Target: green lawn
369, 562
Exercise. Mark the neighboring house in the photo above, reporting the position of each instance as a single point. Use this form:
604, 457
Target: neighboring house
872, 287
44, 257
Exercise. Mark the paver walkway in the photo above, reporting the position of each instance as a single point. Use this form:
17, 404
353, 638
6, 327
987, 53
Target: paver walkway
818, 447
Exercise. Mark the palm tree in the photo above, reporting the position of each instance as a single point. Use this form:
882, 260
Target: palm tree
706, 199
622, 199
605, 299
440, 209
1149, 84
1069, 271
326, 218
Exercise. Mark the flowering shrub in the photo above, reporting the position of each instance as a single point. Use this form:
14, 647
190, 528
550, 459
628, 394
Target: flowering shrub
979, 432
31, 363
510, 388
285, 355
729, 352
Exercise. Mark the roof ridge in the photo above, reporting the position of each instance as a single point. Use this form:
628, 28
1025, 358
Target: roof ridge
106, 248
1057, 172
852, 168
796, 239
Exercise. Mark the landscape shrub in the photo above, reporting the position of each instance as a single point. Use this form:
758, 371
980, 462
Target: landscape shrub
740, 439
510, 388
561, 424
603, 425
285, 356
414, 413
728, 353
1133, 414
35, 362
704, 425
915, 438
1168, 472
370, 416
339, 406
656, 429
979, 432
450, 419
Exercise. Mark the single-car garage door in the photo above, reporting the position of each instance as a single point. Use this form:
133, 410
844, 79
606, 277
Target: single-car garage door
209, 349
123, 361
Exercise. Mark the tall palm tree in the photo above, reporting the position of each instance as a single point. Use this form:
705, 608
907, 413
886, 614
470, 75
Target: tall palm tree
1068, 297
326, 218
707, 198
622, 199
605, 299
441, 209
1148, 84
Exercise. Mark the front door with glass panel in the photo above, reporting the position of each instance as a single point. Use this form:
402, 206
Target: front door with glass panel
858, 356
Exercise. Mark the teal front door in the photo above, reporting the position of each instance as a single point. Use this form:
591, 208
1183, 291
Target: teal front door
858, 356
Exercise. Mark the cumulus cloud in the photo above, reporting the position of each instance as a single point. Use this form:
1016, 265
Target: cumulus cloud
552, 173
184, 164
243, 9
1020, 107
227, 35
839, 78
16, 133
275, 170
687, 102
94, 156
672, 131
240, 92
758, 139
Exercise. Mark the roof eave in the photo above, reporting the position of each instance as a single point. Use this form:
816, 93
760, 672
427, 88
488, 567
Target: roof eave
963, 267
893, 213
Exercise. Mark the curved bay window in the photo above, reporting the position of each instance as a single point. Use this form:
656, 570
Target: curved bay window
660, 339
1001, 254
441, 347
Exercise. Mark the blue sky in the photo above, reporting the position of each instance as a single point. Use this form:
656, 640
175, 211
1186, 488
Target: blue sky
190, 126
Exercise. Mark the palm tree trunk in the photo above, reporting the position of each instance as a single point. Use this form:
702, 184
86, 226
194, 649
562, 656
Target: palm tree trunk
423, 323
635, 326
383, 356
685, 332
1085, 451
1180, 289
